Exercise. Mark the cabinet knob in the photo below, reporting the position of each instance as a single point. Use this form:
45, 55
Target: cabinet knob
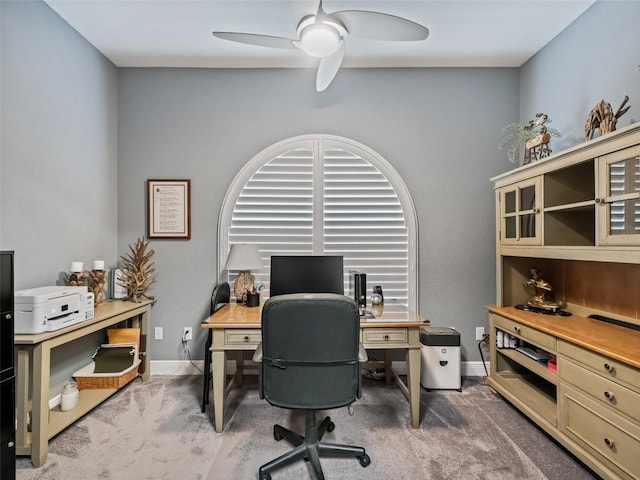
608, 442
246, 338
386, 337
609, 396
609, 368
8, 316
10, 444
516, 329
599, 200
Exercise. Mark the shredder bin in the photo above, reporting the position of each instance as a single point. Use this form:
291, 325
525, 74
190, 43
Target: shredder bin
440, 367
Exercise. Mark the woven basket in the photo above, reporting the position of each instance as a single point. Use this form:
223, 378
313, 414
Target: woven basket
86, 379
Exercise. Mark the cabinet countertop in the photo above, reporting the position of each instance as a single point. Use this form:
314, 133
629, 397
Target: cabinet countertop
614, 341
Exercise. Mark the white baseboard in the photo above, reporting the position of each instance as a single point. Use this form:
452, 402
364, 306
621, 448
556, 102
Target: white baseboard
184, 367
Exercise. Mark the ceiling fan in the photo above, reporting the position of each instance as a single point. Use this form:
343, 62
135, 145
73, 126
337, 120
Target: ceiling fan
323, 35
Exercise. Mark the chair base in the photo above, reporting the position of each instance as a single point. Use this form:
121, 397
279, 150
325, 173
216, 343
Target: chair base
310, 447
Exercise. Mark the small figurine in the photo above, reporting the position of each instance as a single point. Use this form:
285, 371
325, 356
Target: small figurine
543, 297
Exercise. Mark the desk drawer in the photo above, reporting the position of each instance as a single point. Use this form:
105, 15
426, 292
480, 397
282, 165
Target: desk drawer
604, 434
242, 337
384, 336
616, 371
607, 392
528, 334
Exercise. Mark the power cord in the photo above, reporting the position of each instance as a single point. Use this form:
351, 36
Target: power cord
185, 347
484, 343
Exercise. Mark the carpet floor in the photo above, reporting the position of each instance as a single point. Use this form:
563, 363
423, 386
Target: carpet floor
155, 431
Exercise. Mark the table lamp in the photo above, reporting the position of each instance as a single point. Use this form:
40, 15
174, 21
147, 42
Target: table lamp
243, 258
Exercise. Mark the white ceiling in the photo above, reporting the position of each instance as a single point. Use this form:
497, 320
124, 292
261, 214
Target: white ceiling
177, 33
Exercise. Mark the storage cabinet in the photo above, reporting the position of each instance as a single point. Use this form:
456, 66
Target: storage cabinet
520, 213
582, 230
619, 197
7, 377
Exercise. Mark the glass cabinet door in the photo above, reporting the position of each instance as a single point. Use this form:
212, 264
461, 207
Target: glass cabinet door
520, 213
619, 197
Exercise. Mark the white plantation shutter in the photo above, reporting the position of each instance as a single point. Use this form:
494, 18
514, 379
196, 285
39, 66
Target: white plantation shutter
323, 195
624, 179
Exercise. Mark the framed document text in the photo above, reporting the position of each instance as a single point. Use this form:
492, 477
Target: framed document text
169, 209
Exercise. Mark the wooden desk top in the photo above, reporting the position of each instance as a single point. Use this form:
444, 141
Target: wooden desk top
614, 341
236, 315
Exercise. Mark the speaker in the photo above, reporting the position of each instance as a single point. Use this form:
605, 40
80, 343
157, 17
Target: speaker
358, 287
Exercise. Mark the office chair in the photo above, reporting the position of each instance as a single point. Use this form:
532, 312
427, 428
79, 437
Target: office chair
219, 298
310, 359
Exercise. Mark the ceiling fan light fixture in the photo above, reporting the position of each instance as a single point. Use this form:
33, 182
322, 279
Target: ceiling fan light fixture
320, 39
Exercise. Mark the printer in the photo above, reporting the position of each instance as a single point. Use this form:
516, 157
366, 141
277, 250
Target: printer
45, 309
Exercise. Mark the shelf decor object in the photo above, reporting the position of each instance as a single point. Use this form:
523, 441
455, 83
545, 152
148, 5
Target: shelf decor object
138, 271
169, 209
76, 276
96, 281
601, 117
532, 139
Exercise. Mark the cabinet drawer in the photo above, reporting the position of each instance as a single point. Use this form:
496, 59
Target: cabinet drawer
384, 336
617, 371
243, 337
605, 434
548, 342
605, 391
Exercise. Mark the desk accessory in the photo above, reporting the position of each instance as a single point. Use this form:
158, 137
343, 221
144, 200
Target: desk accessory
243, 257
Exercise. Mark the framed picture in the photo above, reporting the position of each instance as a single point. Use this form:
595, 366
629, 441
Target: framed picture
169, 209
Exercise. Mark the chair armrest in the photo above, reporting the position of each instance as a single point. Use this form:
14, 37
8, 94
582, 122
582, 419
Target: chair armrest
257, 355
362, 354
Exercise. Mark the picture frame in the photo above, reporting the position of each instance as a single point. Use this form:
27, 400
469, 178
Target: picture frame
169, 209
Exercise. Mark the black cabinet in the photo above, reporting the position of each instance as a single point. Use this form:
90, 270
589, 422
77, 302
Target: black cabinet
7, 379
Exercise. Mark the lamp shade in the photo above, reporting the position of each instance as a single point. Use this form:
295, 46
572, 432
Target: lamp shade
244, 257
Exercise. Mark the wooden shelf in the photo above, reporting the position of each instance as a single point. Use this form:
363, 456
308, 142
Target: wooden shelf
537, 396
530, 364
88, 400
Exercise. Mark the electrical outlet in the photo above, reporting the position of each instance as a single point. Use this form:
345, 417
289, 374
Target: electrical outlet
158, 333
479, 333
187, 334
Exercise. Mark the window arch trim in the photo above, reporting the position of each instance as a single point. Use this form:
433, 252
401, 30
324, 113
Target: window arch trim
318, 142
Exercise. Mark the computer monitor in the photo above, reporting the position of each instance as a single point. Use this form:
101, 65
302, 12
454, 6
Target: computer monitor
306, 274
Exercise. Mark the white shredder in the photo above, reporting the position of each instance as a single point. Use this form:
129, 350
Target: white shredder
440, 358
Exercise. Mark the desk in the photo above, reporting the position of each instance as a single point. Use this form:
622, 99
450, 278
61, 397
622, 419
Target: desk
33, 356
237, 328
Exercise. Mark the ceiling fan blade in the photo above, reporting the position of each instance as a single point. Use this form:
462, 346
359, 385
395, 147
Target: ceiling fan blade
302, 8
257, 39
328, 68
381, 26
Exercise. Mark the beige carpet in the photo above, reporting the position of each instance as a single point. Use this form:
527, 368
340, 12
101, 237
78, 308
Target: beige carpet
155, 430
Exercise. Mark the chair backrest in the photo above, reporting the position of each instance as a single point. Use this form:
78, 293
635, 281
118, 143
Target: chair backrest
220, 296
310, 348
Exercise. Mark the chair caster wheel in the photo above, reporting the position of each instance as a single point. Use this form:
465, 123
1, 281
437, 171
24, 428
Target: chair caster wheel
265, 476
277, 437
331, 427
364, 460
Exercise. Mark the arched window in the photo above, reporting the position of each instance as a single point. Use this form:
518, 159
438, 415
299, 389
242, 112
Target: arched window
325, 195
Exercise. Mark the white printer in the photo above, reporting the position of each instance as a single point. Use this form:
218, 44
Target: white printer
45, 309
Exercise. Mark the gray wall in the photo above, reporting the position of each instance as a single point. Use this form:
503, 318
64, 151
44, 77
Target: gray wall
58, 162
596, 58
438, 128
75, 152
